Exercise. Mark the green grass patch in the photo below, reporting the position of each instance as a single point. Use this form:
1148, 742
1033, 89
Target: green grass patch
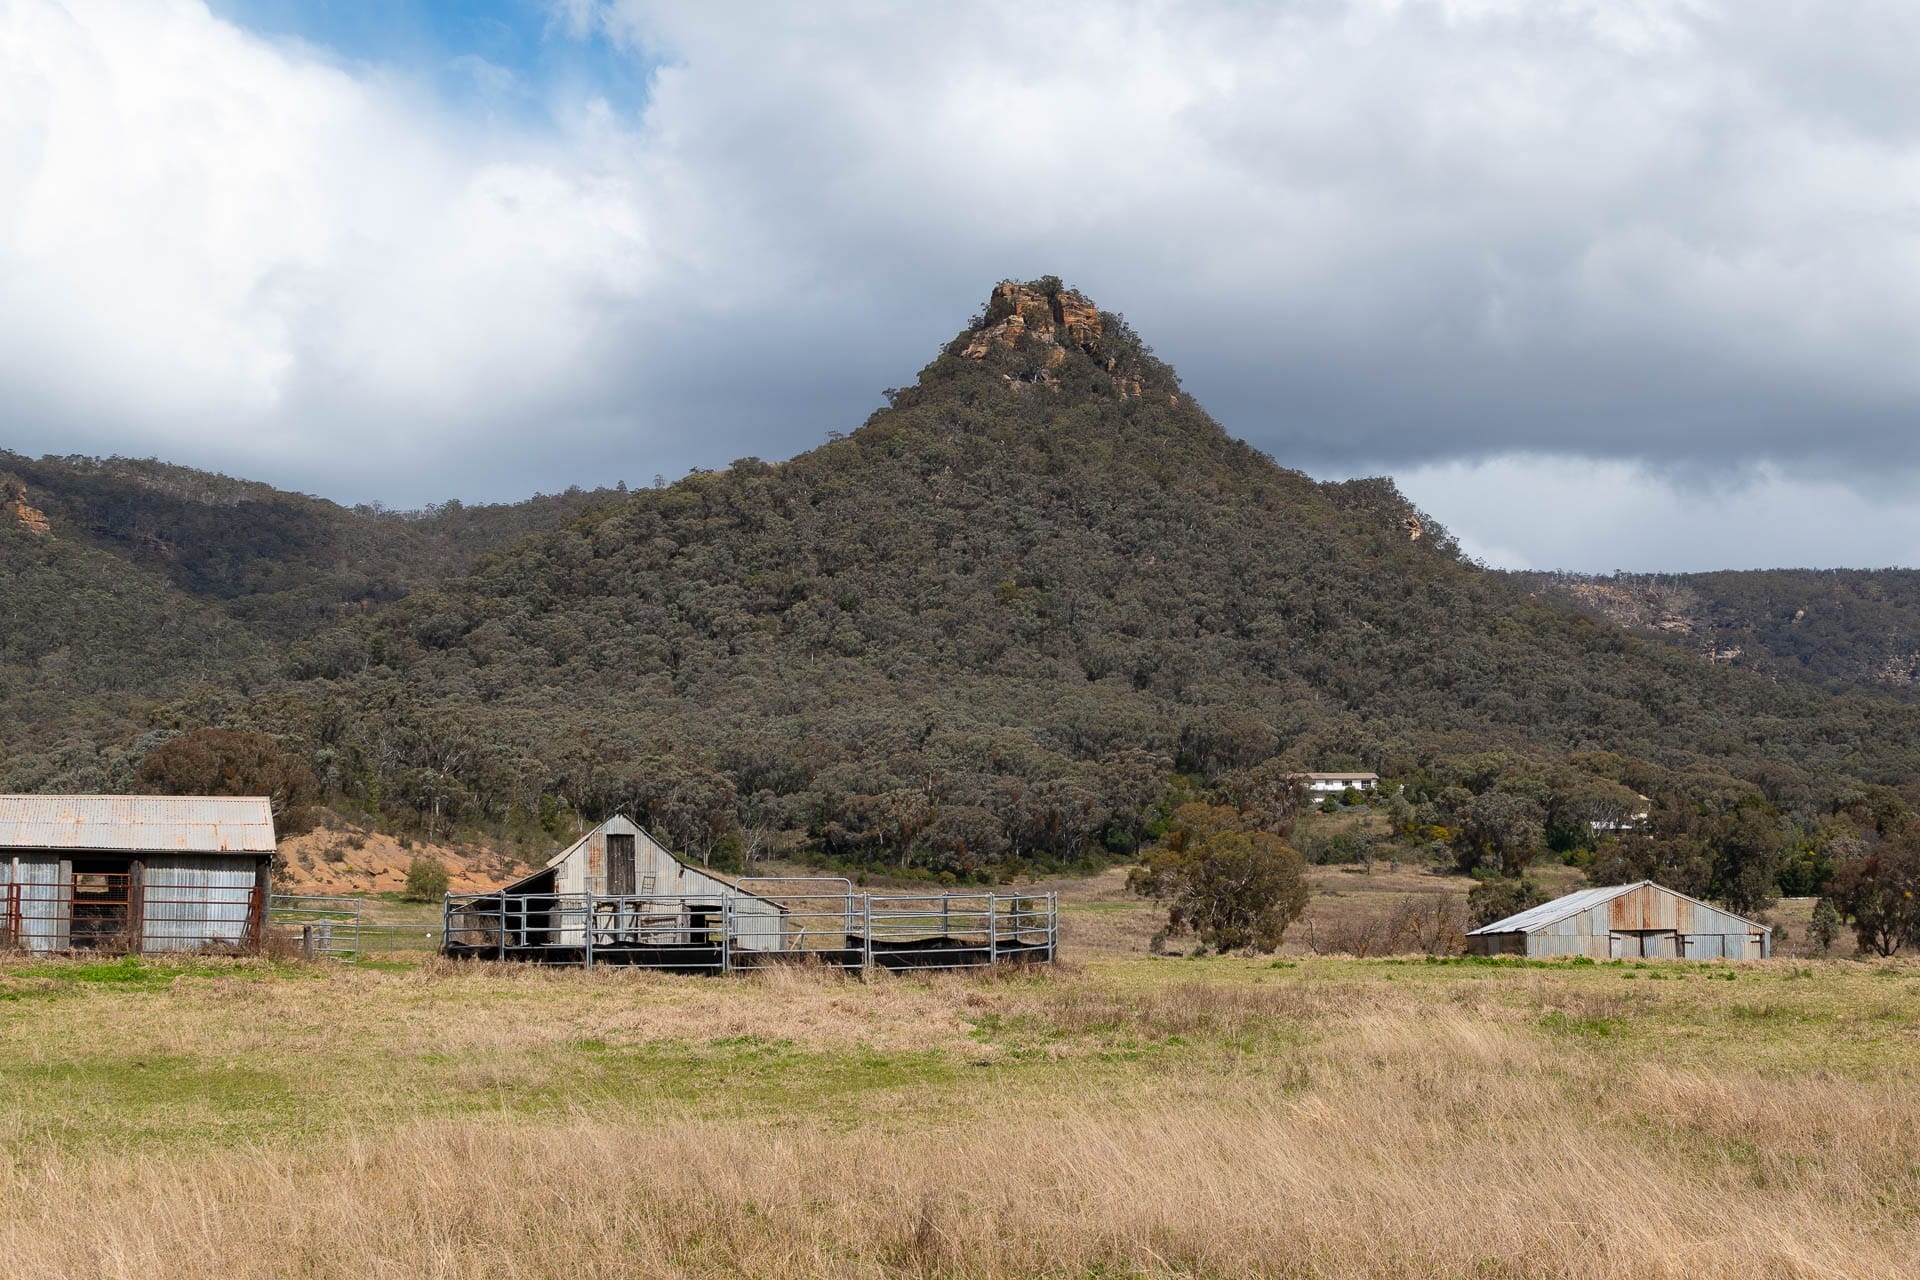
1581, 1027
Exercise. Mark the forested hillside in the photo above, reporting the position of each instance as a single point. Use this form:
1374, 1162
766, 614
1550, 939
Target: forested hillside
128, 582
1837, 628
990, 625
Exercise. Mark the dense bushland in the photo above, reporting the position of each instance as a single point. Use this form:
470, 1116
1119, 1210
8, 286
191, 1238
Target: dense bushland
1032, 605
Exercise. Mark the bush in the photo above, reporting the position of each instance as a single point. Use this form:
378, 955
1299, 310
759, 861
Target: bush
427, 880
1231, 888
1825, 926
1496, 898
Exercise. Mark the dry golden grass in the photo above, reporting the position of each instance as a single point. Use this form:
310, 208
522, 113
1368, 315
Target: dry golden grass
1118, 1118
1100, 917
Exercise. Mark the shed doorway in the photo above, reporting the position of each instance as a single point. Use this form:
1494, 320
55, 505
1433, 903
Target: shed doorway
101, 905
1636, 944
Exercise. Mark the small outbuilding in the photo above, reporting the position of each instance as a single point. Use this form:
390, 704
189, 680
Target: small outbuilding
1625, 922
134, 873
626, 889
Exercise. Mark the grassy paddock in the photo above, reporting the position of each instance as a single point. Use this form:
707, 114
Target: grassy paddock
1127, 1117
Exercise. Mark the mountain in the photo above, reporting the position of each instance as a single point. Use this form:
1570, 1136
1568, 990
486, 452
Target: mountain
989, 624
1839, 629
130, 581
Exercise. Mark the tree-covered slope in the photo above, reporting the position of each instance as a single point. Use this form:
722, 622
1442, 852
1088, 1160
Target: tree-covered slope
1837, 628
1042, 570
129, 583
988, 623
284, 563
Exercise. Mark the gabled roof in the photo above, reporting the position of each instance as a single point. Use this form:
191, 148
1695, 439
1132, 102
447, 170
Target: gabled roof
720, 882
138, 824
1534, 919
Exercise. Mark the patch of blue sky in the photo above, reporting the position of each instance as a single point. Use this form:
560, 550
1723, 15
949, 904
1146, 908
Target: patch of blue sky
511, 57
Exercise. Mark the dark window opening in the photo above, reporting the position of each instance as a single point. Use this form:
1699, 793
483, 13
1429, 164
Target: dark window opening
703, 925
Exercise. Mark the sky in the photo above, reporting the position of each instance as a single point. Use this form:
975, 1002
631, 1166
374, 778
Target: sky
1604, 284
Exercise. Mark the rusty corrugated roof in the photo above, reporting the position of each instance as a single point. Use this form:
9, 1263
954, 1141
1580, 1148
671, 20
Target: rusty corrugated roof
175, 824
1559, 909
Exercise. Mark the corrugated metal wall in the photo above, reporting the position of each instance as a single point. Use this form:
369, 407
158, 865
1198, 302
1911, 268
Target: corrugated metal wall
761, 925
45, 909
1649, 922
193, 901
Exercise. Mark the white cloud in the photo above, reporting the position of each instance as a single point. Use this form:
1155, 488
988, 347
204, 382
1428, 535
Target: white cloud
1600, 516
209, 240
1684, 233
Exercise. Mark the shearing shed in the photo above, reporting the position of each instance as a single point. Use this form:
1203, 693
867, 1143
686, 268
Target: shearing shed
616, 896
1624, 922
134, 873
620, 887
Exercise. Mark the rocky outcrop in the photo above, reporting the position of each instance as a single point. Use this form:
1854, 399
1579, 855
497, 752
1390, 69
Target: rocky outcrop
14, 504
1649, 603
1043, 319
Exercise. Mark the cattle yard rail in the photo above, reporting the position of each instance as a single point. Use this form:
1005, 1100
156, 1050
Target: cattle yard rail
760, 923
116, 913
316, 928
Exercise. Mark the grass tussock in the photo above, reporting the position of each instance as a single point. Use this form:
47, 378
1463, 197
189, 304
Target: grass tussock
1151, 1119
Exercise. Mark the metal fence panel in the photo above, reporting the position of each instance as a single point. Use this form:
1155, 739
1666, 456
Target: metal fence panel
317, 927
734, 931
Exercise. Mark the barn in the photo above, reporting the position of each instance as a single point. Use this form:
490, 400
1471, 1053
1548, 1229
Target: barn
1626, 921
134, 873
642, 901
616, 896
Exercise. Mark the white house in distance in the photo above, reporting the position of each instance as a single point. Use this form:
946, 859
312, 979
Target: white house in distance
1332, 784
1636, 821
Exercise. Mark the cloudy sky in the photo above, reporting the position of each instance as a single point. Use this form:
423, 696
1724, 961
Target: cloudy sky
1604, 283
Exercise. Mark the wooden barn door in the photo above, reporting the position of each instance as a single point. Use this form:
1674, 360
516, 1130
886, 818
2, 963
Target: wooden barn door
620, 869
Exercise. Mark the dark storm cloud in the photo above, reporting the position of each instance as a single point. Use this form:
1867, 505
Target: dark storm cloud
1671, 238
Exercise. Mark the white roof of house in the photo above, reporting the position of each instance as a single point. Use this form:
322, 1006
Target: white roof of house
137, 824
1336, 777
1536, 918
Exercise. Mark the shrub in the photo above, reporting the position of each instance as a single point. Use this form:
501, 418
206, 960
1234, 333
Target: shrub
427, 880
1233, 889
1825, 926
1497, 898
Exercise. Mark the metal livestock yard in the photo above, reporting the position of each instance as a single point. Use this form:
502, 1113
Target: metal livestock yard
823, 921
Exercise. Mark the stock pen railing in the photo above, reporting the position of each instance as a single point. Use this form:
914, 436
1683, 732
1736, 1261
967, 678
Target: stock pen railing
317, 928
728, 932
117, 912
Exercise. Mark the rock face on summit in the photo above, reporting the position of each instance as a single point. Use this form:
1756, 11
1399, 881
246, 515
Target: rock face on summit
1045, 322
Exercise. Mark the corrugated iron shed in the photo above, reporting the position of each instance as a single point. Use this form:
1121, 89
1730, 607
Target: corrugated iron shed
134, 824
1534, 919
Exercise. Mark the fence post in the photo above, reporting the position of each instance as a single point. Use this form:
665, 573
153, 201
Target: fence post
726, 933
993, 932
866, 934
593, 918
